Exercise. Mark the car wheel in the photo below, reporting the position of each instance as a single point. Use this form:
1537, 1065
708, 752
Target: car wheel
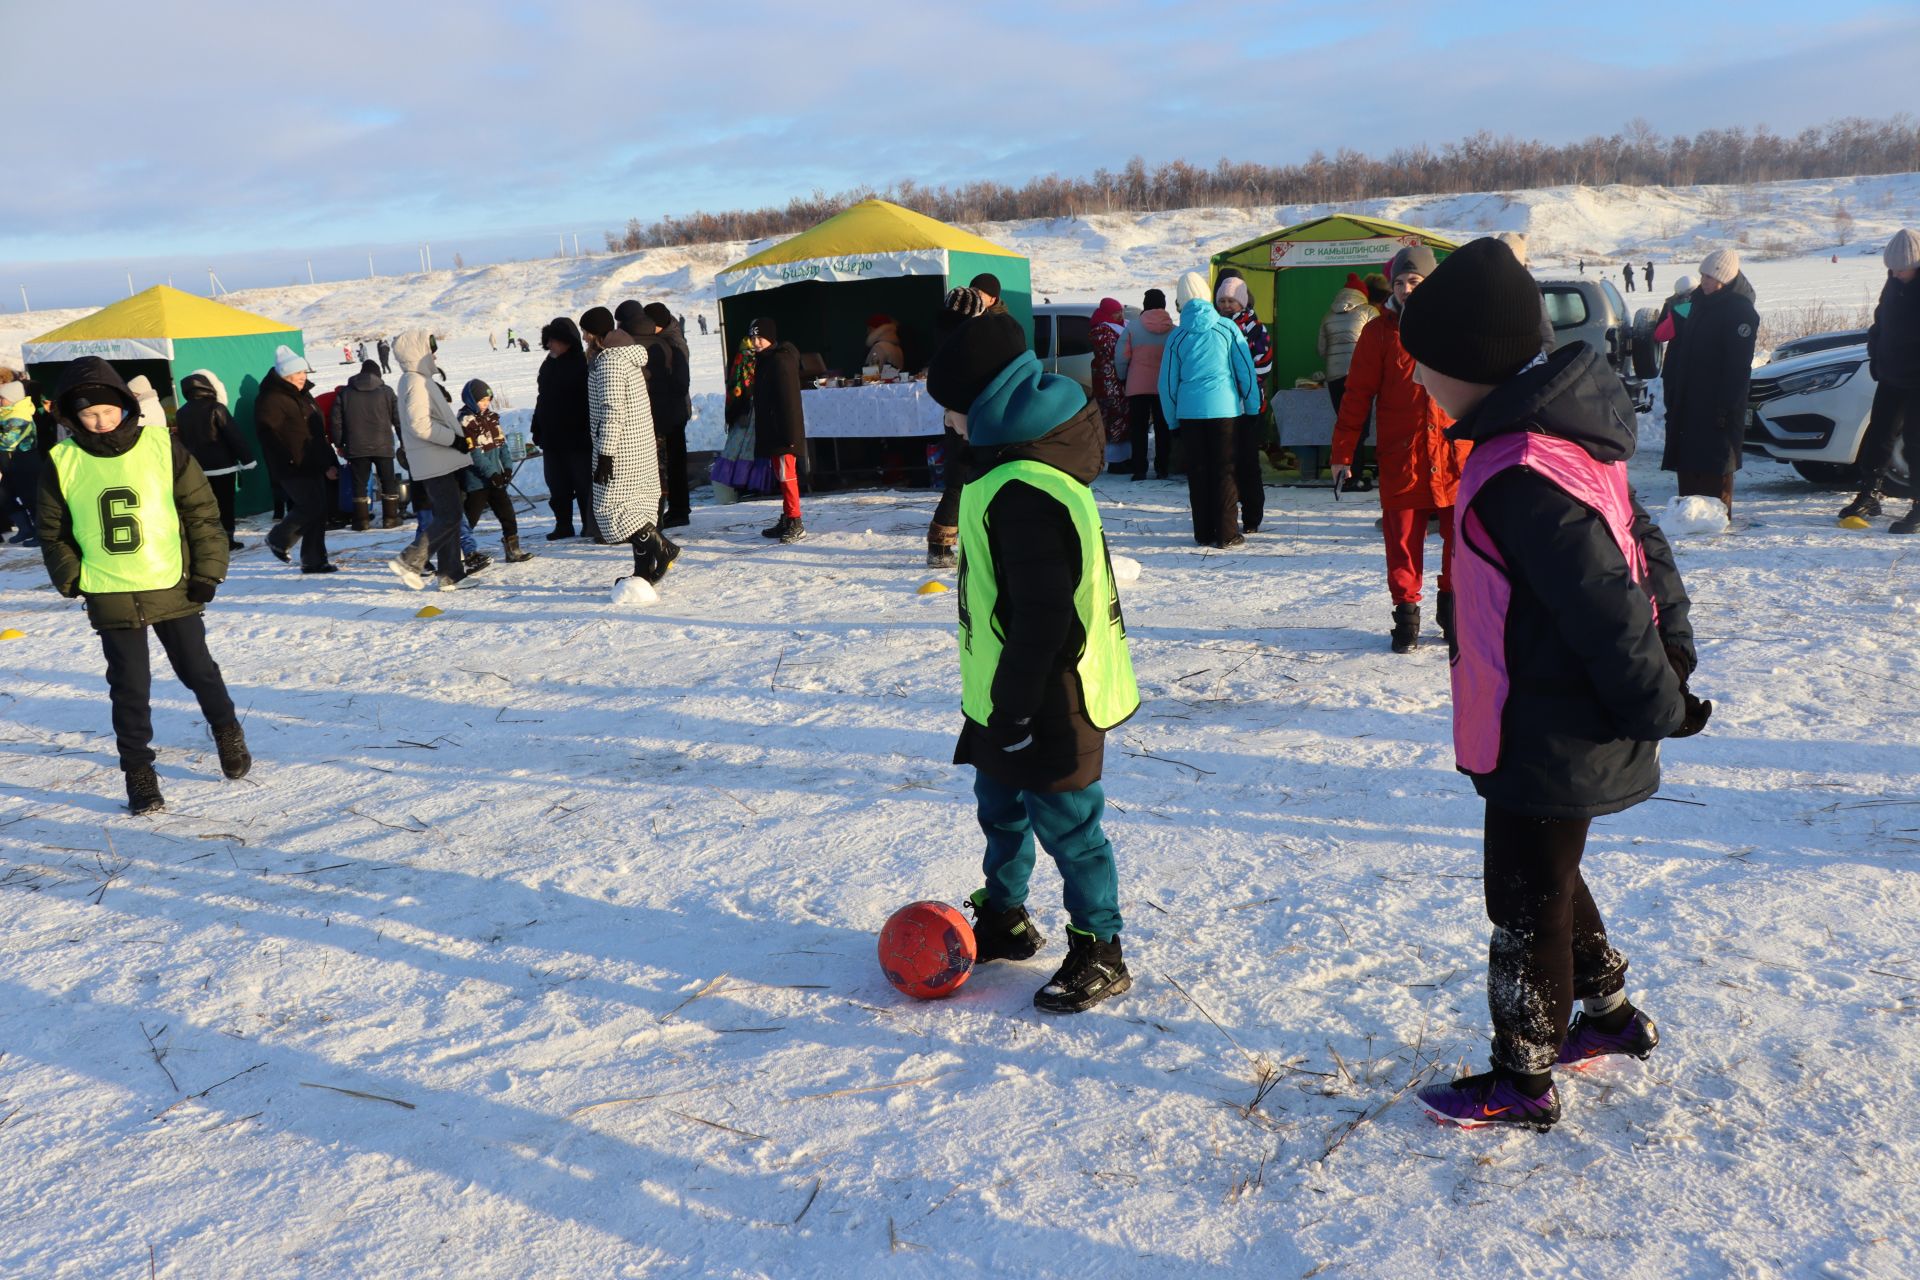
1646, 352
1830, 475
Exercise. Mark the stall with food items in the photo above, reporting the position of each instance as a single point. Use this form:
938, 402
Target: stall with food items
1292, 276
858, 294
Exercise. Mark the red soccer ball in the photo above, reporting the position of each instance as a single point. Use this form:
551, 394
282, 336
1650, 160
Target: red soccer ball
926, 950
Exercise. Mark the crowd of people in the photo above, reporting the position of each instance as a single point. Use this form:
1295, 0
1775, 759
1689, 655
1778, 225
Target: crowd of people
1567, 622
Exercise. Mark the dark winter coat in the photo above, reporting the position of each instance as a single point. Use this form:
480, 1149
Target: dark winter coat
666, 392
293, 440
203, 539
560, 422
1893, 342
1591, 691
1706, 378
1036, 561
779, 421
679, 409
366, 415
207, 430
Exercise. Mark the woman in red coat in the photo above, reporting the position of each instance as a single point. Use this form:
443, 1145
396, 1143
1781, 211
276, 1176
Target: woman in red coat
1419, 466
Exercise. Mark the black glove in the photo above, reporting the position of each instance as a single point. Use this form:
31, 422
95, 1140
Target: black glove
1681, 661
1007, 734
498, 480
603, 469
462, 443
200, 591
1699, 711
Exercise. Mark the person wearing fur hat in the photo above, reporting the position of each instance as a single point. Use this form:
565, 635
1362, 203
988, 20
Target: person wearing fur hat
126, 520
1044, 667
626, 468
1419, 463
943, 531
779, 422
1572, 652
487, 448
210, 434
1893, 358
1109, 388
1138, 361
1207, 384
1705, 382
299, 458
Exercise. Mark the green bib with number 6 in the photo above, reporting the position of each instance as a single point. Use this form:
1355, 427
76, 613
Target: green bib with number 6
122, 515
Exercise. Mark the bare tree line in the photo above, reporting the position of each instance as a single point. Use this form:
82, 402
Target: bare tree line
1635, 156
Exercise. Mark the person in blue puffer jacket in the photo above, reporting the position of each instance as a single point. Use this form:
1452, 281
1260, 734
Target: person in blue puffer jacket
1207, 384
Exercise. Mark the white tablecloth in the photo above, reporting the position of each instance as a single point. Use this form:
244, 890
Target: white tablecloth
882, 409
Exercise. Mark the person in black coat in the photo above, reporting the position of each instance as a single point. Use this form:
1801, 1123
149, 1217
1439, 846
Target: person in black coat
1572, 649
779, 422
366, 425
670, 422
1893, 359
214, 440
293, 444
561, 429
1706, 381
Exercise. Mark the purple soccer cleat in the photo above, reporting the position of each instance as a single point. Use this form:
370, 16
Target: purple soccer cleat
1490, 1098
1586, 1042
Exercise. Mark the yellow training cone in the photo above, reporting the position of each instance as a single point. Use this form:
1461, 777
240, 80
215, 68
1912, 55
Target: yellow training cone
11, 634
933, 588
428, 612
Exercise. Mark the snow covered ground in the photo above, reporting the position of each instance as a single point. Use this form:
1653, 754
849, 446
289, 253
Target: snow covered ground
541, 940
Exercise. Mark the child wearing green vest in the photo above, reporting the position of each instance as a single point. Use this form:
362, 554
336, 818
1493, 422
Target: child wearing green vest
1044, 669
128, 520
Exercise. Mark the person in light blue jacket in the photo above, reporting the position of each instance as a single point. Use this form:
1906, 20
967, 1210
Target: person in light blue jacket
1207, 384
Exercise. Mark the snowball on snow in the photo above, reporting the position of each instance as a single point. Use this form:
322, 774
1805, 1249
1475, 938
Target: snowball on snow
1695, 515
635, 591
1125, 569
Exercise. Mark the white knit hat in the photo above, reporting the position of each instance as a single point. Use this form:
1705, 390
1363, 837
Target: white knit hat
1722, 265
1192, 285
1683, 285
287, 362
1902, 251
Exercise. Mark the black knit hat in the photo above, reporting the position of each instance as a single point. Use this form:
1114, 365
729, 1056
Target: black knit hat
987, 283
598, 322
764, 327
972, 358
658, 313
1155, 300
1476, 317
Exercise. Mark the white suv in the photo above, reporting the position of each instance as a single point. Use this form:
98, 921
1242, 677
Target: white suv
1811, 410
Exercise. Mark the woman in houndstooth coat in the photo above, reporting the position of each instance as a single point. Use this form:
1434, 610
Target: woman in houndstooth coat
626, 471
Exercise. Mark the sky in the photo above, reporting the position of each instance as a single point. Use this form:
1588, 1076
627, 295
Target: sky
254, 139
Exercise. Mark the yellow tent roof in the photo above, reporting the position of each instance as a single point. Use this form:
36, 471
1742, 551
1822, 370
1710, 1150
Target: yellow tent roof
165, 312
872, 226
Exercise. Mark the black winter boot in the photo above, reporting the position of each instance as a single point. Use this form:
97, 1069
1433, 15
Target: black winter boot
561, 531
1443, 611
778, 529
1908, 523
475, 563
510, 548
1406, 628
793, 532
1865, 507
362, 514
235, 759
1002, 935
1093, 972
143, 791
389, 511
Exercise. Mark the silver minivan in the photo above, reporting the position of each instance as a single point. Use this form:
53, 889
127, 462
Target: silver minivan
1063, 339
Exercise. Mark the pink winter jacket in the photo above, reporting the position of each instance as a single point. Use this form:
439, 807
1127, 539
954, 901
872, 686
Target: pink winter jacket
1137, 358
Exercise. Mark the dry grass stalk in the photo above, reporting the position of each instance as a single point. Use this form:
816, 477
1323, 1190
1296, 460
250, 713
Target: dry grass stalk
871, 1088
356, 1093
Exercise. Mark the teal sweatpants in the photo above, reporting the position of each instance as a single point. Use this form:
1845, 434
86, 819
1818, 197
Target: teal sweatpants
1067, 824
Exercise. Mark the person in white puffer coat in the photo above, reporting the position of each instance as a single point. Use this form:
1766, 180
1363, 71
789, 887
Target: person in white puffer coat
436, 455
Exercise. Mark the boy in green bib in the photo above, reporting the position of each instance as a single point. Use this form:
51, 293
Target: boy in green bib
1044, 669
128, 521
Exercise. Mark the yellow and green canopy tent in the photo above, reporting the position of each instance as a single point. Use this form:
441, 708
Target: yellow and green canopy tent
1293, 273
821, 285
167, 334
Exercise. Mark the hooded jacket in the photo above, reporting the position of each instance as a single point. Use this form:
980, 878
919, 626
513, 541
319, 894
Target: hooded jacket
293, 440
1590, 687
203, 539
1893, 341
427, 423
1419, 463
207, 429
560, 407
779, 419
1340, 331
1028, 414
1706, 380
1142, 343
366, 415
1206, 370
